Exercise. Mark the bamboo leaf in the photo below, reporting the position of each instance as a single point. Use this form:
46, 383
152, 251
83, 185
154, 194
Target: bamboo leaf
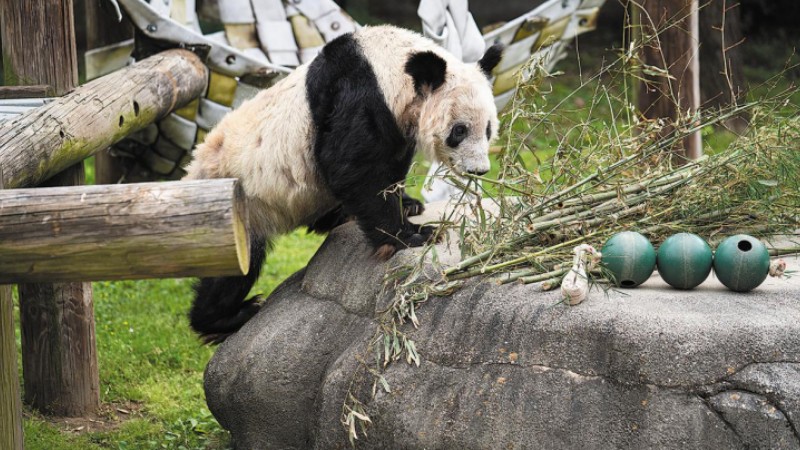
384, 384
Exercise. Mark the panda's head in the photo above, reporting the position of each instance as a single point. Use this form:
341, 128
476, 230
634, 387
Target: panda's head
457, 115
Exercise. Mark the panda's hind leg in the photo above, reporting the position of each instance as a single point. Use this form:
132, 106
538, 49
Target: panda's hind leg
219, 307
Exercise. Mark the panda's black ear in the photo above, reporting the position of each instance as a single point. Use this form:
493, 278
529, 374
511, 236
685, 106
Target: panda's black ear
426, 69
491, 59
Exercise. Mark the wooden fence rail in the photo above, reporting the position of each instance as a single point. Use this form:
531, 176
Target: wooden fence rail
123, 231
94, 116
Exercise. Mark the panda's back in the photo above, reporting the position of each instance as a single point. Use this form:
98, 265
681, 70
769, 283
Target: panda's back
266, 144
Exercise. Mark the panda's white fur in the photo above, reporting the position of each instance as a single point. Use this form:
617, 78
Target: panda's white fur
266, 143
283, 147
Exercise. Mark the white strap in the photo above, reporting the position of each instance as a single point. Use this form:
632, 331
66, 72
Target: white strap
327, 17
450, 24
275, 32
236, 11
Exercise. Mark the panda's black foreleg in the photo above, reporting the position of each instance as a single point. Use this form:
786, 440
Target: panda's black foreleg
328, 221
219, 307
387, 226
370, 195
337, 216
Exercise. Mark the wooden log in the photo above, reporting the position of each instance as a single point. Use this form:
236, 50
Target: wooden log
10, 405
130, 231
94, 116
669, 32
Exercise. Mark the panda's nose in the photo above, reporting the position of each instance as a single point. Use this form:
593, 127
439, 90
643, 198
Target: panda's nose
478, 172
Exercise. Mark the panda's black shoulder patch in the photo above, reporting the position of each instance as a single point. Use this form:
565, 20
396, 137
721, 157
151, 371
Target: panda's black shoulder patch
359, 149
341, 75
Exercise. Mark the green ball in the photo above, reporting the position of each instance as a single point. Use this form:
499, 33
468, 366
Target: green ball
630, 257
684, 260
741, 263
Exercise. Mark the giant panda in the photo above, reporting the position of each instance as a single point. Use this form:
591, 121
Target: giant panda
329, 141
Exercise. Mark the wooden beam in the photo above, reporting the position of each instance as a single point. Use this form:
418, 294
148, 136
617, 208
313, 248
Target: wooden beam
123, 231
12, 92
94, 116
670, 38
10, 405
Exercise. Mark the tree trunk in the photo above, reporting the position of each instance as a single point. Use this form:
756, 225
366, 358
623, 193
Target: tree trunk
669, 30
58, 346
35, 31
131, 231
722, 82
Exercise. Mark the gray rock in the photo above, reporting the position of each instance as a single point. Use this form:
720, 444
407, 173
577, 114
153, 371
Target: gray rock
757, 422
512, 367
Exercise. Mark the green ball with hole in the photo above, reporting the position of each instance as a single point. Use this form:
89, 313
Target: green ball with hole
630, 258
684, 260
741, 263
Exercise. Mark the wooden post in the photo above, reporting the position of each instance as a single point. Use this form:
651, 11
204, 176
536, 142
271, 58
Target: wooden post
124, 231
41, 143
59, 355
102, 29
10, 406
59, 359
39, 44
669, 33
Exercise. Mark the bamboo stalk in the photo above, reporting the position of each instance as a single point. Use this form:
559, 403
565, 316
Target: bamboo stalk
543, 276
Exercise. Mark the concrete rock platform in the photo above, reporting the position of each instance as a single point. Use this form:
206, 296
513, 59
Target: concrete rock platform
513, 367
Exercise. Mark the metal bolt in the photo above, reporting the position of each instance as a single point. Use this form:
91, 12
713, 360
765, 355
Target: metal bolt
152, 28
230, 59
583, 22
335, 26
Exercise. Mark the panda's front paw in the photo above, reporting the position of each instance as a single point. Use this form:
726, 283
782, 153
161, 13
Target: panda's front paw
421, 236
414, 236
411, 206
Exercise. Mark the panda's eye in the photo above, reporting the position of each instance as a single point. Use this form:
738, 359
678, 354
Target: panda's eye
489, 130
457, 134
